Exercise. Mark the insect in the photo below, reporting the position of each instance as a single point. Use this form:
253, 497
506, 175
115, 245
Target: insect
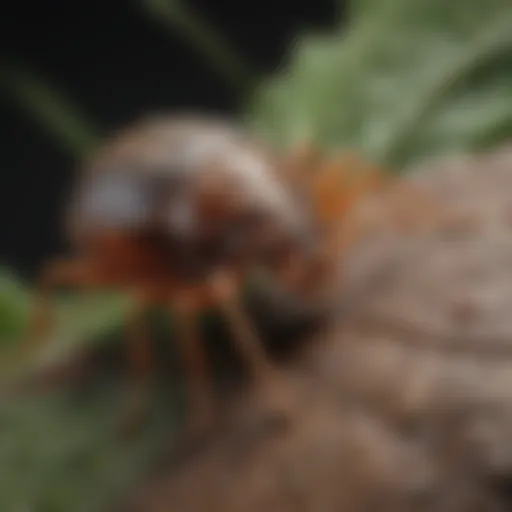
179, 210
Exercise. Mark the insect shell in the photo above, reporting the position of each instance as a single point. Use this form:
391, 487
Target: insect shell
180, 197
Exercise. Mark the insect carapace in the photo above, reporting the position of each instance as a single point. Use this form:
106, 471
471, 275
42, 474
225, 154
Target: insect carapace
178, 211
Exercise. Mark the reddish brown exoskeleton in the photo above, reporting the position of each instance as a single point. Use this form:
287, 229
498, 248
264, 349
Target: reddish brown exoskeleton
179, 210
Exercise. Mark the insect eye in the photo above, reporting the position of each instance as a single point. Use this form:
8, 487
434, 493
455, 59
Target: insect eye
115, 198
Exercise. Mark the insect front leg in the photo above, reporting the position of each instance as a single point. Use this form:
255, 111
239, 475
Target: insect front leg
140, 362
226, 295
266, 376
201, 401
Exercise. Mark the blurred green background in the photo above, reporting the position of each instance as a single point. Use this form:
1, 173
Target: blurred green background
403, 81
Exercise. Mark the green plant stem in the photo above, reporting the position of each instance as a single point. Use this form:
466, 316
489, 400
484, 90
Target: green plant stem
48, 107
206, 39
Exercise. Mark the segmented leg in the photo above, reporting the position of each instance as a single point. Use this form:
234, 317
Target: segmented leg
199, 383
265, 374
245, 338
140, 361
140, 364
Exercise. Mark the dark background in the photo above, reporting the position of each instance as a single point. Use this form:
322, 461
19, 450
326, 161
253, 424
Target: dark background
115, 63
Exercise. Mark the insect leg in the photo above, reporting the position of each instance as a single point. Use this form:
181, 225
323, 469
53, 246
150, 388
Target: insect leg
139, 356
199, 380
279, 398
140, 363
226, 296
270, 383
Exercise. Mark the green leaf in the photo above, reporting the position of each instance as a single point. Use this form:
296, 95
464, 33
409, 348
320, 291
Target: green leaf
82, 321
79, 322
408, 79
13, 308
59, 452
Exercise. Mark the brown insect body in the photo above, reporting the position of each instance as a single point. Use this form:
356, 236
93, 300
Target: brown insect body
178, 210
178, 198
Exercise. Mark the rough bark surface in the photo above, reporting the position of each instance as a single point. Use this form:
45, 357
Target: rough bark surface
404, 400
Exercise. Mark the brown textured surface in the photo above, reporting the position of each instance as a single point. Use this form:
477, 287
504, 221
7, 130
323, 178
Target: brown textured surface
405, 400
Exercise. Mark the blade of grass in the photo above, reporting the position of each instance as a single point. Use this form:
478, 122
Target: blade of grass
49, 108
207, 40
